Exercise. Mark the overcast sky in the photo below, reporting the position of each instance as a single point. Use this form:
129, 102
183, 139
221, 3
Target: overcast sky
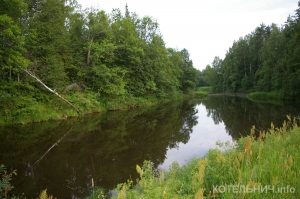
205, 28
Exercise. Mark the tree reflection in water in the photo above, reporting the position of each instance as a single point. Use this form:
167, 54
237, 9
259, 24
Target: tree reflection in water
105, 147
239, 114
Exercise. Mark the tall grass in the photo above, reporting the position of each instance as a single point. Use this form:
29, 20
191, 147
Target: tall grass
263, 167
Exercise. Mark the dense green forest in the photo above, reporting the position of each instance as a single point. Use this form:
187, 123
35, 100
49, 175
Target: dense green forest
94, 59
266, 60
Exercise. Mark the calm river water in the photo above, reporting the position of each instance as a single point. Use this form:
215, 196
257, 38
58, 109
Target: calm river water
63, 157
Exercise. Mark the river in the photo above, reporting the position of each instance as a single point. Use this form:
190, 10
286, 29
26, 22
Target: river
63, 157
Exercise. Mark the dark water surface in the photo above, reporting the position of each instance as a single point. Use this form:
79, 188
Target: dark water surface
63, 157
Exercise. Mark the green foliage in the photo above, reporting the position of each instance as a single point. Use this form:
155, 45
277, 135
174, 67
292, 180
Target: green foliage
206, 89
24, 109
266, 60
202, 92
183, 69
12, 47
98, 193
263, 96
211, 77
249, 162
5, 186
160, 184
117, 61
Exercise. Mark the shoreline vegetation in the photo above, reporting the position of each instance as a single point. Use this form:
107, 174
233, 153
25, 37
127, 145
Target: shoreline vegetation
26, 109
93, 59
251, 167
272, 97
29, 110
267, 96
264, 63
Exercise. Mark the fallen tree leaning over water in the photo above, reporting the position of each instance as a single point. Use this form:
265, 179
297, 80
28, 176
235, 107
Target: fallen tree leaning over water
49, 89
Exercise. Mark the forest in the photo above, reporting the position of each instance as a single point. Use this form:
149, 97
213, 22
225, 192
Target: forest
96, 60
266, 60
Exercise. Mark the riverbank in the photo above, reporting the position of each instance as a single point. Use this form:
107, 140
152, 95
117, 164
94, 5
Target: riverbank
262, 96
201, 92
39, 108
249, 168
272, 97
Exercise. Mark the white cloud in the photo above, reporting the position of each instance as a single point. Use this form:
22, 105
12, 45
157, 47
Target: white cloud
205, 28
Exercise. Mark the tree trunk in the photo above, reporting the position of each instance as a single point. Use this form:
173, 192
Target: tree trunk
89, 52
49, 89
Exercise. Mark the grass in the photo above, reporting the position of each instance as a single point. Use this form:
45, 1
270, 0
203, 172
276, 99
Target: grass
207, 89
25, 109
202, 92
262, 96
41, 106
263, 167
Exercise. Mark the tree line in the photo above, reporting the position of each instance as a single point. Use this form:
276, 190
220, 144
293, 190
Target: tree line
111, 55
266, 60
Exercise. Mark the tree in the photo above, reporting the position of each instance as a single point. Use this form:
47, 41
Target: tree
189, 77
128, 53
105, 76
164, 74
291, 32
183, 69
264, 60
48, 48
211, 76
11, 42
78, 34
98, 26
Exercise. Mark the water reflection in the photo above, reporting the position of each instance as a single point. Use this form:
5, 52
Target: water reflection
239, 114
204, 136
226, 118
64, 156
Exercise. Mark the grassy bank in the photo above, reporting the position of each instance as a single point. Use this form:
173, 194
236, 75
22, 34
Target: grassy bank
201, 92
263, 96
19, 109
263, 167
